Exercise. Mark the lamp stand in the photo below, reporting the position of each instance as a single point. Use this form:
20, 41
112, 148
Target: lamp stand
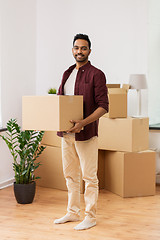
138, 102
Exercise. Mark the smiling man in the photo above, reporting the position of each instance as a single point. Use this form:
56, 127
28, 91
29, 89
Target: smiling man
80, 143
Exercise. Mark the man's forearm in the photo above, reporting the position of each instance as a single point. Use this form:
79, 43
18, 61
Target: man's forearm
99, 112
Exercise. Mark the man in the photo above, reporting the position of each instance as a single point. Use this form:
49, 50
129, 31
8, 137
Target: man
79, 144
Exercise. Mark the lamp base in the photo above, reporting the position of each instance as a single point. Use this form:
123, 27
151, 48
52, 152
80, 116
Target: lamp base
137, 116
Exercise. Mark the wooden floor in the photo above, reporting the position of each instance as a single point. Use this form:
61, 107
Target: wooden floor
117, 218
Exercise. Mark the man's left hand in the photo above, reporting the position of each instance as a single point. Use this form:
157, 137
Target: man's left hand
78, 126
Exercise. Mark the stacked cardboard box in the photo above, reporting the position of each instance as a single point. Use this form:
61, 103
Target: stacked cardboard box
51, 170
125, 165
117, 101
129, 165
130, 174
50, 138
124, 134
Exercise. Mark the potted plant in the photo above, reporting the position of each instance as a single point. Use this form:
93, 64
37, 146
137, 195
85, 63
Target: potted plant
52, 91
25, 149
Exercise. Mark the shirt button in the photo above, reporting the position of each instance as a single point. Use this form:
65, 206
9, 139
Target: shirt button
83, 70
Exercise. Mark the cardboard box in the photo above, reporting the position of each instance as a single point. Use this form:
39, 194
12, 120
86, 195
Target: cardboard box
51, 113
50, 138
115, 85
51, 170
117, 100
130, 174
124, 134
117, 103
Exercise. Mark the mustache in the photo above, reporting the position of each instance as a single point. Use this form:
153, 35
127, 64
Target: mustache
79, 55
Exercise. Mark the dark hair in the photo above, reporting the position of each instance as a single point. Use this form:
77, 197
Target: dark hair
84, 37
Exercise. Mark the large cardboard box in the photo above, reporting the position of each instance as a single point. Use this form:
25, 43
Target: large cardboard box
51, 113
50, 138
117, 101
124, 134
51, 170
130, 174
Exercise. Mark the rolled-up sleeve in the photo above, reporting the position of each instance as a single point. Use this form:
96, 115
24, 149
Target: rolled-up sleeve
101, 91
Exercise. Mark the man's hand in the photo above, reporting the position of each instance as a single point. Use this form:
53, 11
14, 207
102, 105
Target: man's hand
78, 126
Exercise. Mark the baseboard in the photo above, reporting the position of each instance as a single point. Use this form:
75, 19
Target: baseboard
7, 183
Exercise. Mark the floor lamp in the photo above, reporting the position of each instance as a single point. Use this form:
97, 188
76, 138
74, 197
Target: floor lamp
138, 82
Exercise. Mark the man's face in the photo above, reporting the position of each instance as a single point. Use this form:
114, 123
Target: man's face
81, 50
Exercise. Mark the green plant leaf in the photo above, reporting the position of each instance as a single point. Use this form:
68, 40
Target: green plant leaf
25, 148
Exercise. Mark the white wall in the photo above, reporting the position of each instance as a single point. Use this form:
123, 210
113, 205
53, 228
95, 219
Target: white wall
117, 29
154, 61
18, 65
0, 61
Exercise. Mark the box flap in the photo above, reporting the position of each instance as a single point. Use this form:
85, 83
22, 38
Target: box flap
117, 91
113, 85
126, 87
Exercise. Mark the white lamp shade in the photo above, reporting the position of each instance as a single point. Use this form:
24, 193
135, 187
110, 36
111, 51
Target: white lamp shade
138, 81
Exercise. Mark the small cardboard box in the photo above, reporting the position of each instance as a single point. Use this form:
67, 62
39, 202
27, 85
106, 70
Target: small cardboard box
51, 113
123, 134
130, 174
117, 101
50, 138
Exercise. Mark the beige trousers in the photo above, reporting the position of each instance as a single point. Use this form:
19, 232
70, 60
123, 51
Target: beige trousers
82, 155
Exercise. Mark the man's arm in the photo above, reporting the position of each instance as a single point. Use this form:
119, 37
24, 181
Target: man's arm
79, 124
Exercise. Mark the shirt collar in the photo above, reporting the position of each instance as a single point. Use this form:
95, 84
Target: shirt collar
84, 67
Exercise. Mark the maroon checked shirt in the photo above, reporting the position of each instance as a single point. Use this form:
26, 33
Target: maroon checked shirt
91, 83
